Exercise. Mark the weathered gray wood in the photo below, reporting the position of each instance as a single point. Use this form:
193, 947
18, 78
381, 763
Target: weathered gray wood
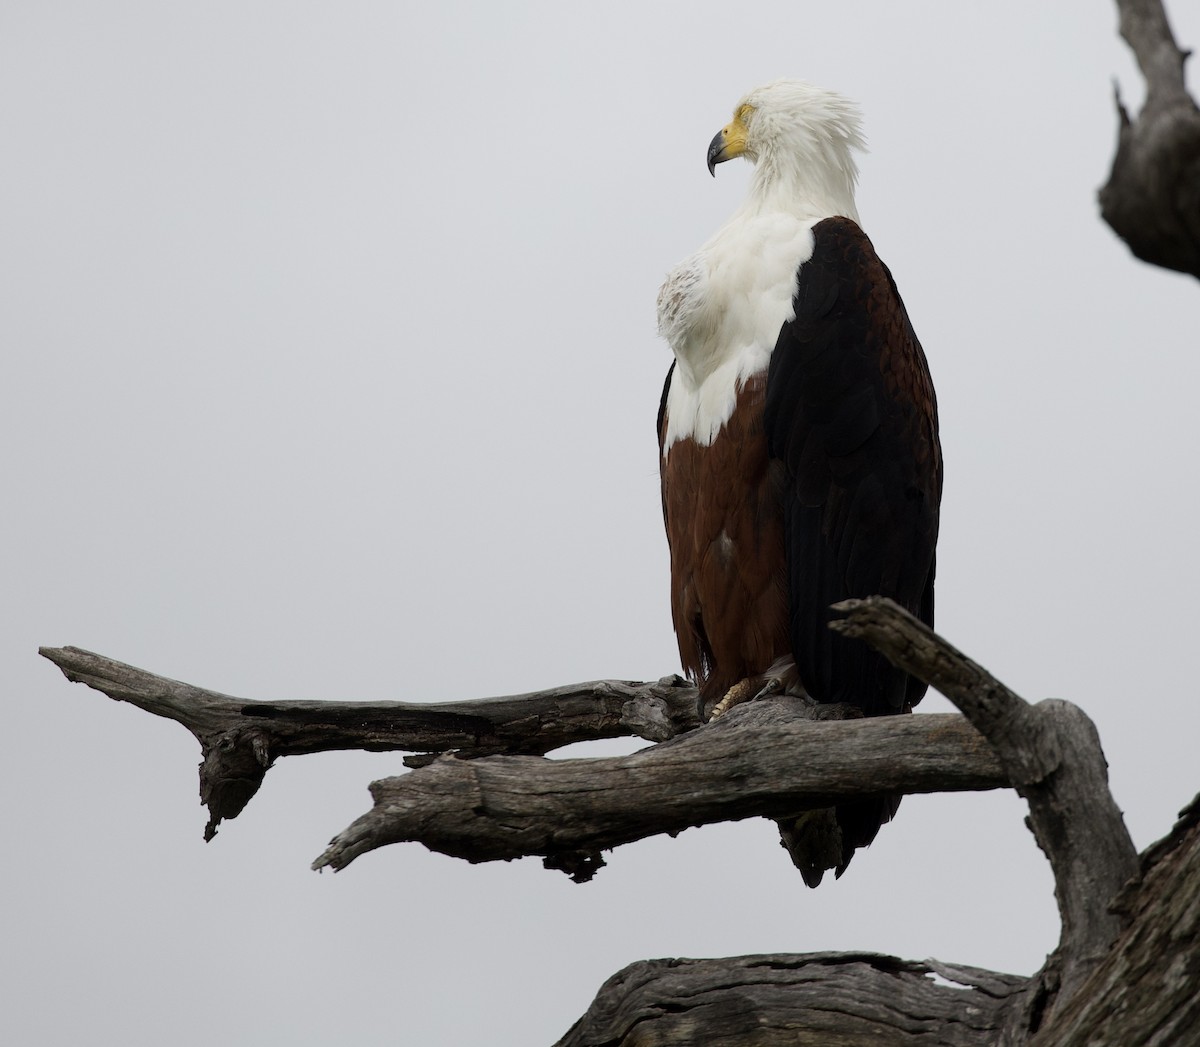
756, 760
1152, 197
847, 999
241, 738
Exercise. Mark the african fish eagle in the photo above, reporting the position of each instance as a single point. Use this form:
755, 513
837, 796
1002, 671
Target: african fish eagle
798, 431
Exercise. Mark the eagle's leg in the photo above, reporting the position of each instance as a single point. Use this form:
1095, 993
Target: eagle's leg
742, 691
781, 677
748, 690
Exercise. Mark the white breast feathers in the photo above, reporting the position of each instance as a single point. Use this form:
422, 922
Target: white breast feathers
721, 311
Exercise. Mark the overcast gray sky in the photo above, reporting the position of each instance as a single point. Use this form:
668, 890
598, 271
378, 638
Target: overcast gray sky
330, 370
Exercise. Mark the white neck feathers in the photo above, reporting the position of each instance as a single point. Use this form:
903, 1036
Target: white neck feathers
721, 310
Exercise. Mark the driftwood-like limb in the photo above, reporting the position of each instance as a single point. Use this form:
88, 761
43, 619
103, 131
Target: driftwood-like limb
1152, 198
240, 739
766, 759
781, 1001
1051, 753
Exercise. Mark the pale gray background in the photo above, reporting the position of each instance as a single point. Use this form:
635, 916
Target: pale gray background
330, 370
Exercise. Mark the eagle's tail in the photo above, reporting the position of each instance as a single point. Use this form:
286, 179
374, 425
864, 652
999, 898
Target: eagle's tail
827, 838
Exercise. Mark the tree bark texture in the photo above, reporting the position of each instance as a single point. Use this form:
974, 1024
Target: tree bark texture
841, 999
1152, 197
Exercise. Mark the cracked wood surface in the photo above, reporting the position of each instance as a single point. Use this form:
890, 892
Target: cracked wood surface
845, 999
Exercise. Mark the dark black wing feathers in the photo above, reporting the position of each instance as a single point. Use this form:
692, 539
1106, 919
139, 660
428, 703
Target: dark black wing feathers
850, 412
662, 404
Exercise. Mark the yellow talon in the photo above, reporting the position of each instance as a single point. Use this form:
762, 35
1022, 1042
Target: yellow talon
742, 691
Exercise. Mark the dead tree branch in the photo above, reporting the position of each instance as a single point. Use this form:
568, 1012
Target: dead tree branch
1152, 198
767, 760
240, 738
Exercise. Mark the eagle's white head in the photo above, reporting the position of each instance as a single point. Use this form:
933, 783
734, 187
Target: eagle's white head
801, 140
